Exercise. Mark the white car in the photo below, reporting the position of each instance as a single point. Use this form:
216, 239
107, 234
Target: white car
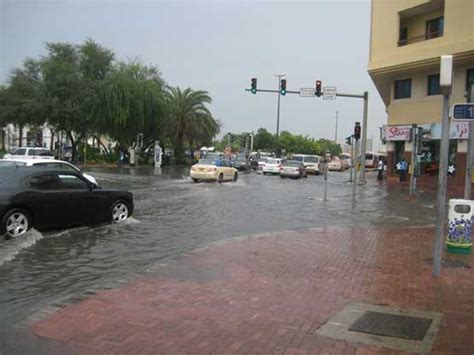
272, 166
50, 163
30, 153
336, 165
311, 162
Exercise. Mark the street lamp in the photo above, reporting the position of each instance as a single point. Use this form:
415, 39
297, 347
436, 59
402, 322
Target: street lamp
335, 135
279, 76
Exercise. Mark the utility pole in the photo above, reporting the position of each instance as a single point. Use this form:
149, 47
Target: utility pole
335, 135
279, 76
445, 81
356, 153
470, 147
364, 135
413, 132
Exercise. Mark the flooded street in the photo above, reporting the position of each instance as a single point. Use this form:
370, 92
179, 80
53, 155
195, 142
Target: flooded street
173, 216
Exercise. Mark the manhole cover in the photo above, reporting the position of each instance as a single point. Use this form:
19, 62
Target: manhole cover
392, 325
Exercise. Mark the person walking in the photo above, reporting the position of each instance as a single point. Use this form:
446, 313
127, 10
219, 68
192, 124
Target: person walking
403, 170
380, 170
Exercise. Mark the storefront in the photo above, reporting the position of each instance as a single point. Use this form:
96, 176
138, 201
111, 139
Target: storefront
399, 146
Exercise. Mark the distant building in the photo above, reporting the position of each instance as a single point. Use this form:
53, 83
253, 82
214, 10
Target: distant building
407, 39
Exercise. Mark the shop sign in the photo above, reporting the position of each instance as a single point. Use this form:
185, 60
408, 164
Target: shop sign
457, 130
397, 133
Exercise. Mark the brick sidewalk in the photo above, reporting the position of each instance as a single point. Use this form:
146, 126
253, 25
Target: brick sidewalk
269, 295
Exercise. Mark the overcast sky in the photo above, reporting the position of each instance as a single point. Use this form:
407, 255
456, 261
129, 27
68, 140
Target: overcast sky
218, 46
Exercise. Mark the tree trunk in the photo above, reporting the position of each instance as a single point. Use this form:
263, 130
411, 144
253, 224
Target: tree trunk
73, 145
20, 138
4, 136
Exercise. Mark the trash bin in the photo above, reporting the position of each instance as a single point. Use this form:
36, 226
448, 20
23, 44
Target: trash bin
460, 218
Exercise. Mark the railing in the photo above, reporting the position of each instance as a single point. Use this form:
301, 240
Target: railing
424, 37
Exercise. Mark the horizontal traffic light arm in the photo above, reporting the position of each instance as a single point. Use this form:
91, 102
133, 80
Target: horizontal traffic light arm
276, 91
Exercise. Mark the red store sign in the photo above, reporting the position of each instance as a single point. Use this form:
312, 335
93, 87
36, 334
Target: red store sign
397, 133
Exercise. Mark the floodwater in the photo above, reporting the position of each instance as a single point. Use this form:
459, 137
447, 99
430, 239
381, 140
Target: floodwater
172, 216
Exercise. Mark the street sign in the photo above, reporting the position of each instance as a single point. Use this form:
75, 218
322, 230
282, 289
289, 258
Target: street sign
329, 93
463, 112
307, 92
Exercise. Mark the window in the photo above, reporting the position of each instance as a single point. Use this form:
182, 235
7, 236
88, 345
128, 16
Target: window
44, 182
20, 152
403, 36
470, 80
402, 89
72, 182
433, 85
435, 28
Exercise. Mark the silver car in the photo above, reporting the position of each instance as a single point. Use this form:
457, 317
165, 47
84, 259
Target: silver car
293, 169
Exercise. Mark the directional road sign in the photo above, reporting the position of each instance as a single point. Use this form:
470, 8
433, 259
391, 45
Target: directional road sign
463, 112
307, 92
329, 93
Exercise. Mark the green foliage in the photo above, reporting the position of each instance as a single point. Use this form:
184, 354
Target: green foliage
264, 140
189, 121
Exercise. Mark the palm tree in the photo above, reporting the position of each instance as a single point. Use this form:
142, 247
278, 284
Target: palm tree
189, 120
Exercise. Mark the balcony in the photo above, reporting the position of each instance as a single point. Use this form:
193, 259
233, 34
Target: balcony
421, 23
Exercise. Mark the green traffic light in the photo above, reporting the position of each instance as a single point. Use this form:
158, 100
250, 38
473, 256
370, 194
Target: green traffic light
253, 91
283, 92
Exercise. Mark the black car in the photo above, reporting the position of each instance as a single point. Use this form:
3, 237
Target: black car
48, 199
240, 163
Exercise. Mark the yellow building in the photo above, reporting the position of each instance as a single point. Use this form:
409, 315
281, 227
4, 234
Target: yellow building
407, 39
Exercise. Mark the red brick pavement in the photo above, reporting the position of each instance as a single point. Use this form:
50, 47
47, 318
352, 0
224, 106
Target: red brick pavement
268, 295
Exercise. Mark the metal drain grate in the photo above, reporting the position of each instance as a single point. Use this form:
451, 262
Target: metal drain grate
392, 325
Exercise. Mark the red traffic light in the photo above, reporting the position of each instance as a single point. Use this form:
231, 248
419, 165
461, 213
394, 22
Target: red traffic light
357, 131
318, 88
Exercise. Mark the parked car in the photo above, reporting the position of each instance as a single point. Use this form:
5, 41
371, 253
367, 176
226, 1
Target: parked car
311, 162
272, 166
293, 169
30, 153
213, 170
336, 165
48, 163
46, 198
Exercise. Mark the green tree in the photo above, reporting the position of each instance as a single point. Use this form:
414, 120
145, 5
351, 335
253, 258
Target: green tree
189, 120
131, 101
264, 140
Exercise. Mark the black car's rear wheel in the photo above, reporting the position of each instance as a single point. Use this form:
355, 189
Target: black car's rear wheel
120, 211
16, 223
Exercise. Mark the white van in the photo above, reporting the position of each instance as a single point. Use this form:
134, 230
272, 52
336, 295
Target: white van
311, 162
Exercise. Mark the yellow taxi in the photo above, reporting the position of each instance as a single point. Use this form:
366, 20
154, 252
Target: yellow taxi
213, 170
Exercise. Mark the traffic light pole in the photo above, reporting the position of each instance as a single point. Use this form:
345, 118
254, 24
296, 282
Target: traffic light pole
413, 158
355, 164
352, 159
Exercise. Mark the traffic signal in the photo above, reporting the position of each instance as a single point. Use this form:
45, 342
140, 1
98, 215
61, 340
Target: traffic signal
357, 131
348, 140
254, 86
283, 87
318, 88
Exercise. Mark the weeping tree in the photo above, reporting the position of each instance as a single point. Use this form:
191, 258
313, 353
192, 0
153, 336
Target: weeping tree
189, 121
131, 101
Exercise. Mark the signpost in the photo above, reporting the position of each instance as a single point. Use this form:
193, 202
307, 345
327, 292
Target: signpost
463, 112
329, 93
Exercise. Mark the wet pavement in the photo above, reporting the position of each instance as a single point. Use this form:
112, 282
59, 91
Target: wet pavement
173, 216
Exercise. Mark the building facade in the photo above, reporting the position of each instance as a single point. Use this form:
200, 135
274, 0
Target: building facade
407, 39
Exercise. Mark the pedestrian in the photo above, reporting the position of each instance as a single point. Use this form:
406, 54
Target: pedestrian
403, 170
380, 170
